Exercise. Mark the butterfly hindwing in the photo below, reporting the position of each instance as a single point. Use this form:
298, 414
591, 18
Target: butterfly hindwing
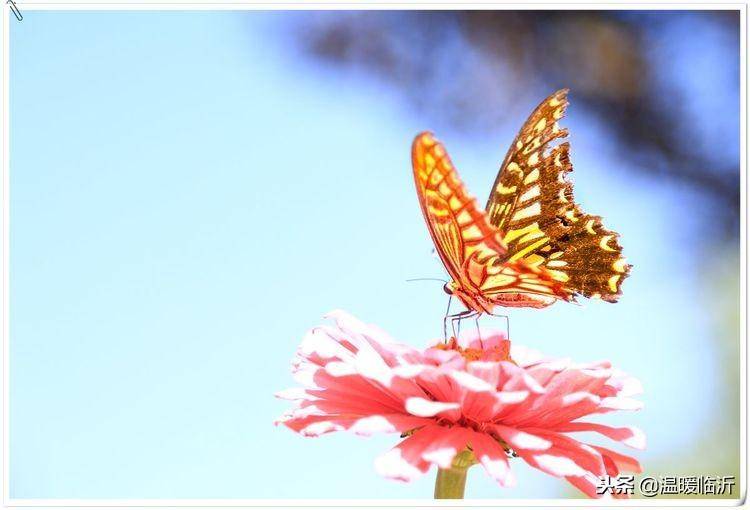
532, 203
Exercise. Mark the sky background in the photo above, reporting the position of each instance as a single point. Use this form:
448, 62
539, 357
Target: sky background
190, 194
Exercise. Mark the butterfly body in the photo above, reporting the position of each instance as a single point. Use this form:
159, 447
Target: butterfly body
484, 300
532, 245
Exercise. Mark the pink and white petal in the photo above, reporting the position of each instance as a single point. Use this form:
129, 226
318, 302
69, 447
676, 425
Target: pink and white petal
367, 360
409, 371
515, 378
511, 397
356, 402
521, 440
470, 382
619, 462
404, 462
350, 327
565, 458
318, 428
305, 376
323, 343
543, 373
355, 388
311, 425
493, 458
371, 365
629, 436
624, 384
294, 394
481, 407
554, 365
506, 403
555, 465
444, 358
309, 408
575, 381
393, 464
363, 409
435, 382
445, 444
619, 404
418, 406
340, 368
486, 370
387, 423
582, 454
547, 411
525, 356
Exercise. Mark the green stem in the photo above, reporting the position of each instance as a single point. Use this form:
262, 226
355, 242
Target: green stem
451, 482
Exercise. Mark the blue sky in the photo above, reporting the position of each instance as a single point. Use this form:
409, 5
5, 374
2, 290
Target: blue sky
188, 196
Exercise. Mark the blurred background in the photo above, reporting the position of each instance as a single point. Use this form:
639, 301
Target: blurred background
192, 191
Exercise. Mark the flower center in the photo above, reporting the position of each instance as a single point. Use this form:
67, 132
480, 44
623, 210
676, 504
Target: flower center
498, 352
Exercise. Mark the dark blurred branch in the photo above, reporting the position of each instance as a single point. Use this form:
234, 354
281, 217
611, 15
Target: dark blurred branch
453, 61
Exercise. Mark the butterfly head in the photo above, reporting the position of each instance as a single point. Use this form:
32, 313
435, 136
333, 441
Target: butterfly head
471, 299
450, 288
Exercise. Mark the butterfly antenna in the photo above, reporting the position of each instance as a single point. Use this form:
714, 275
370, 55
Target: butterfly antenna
426, 280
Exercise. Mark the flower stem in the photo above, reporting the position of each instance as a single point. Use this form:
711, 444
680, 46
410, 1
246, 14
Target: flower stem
451, 482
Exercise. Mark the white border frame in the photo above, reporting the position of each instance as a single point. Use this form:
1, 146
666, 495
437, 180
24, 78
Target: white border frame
103, 5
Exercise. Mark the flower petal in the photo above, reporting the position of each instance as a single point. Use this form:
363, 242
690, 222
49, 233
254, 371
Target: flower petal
515, 378
394, 464
558, 465
292, 394
620, 404
324, 343
370, 425
619, 462
444, 444
470, 382
404, 462
629, 436
488, 371
520, 440
493, 458
356, 378
422, 407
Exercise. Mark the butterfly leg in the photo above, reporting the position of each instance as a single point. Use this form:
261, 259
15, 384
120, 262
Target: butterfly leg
507, 324
445, 320
453, 319
469, 315
456, 319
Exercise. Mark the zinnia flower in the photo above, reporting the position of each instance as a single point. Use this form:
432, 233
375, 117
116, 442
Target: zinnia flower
481, 399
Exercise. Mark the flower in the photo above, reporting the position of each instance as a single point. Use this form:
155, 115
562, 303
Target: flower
478, 394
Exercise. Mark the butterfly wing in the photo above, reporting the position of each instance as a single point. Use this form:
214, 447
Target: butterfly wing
470, 247
458, 227
532, 203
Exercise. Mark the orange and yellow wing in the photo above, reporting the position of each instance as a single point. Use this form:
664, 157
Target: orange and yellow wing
459, 228
532, 203
472, 249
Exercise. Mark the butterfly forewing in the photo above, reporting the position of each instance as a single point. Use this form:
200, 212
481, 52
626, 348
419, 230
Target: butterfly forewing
463, 237
532, 203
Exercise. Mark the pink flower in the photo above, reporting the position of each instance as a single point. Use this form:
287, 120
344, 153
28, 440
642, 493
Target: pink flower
484, 395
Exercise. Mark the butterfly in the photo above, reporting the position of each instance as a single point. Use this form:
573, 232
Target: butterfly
532, 245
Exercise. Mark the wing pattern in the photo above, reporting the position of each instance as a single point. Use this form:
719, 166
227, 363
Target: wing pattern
471, 249
462, 235
531, 202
